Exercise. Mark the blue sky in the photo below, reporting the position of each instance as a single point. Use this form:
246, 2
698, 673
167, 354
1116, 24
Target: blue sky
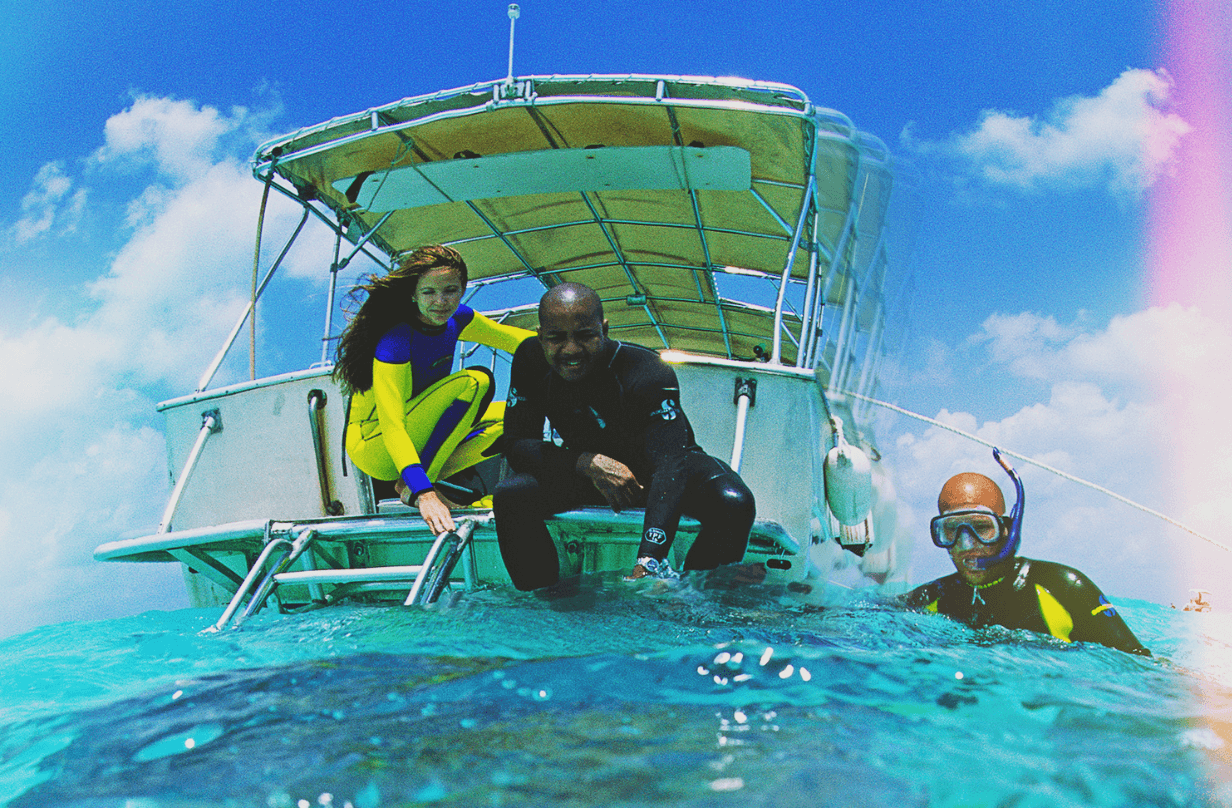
1069, 295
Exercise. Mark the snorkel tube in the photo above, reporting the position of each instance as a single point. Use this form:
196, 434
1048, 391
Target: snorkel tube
1015, 530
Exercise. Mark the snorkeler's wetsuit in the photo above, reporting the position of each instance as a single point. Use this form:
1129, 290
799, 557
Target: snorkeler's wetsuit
1035, 595
409, 360
628, 408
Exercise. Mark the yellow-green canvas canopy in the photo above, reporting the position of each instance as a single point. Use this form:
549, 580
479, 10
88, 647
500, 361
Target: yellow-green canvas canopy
641, 187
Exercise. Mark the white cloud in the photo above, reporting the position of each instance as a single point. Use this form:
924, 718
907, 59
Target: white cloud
82, 457
179, 137
50, 201
1124, 136
79, 486
1175, 341
935, 365
182, 276
146, 207
1137, 407
1026, 342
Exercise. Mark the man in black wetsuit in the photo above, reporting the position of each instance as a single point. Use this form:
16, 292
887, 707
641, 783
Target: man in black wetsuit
625, 443
994, 586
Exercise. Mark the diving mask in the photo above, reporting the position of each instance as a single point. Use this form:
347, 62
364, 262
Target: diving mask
985, 525
980, 524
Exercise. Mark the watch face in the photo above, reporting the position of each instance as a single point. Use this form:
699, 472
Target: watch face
658, 567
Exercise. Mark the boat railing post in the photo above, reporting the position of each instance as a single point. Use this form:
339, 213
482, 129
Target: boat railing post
429, 562
316, 400
256, 261
301, 543
836, 264
334, 268
249, 579
248, 309
359, 245
211, 422
807, 325
776, 352
746, 393
514, 12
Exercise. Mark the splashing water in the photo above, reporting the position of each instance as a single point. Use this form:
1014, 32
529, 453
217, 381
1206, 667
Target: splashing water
693, 693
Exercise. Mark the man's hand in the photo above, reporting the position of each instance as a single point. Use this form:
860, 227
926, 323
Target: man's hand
638, 572
648, 566
613, 479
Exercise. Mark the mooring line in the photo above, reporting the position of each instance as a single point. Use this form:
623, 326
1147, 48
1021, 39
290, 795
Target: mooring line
1042, 465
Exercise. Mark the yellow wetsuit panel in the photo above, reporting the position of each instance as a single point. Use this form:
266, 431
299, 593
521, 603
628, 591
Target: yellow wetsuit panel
1060, 621
487, 331
383, 453
382, 435
391, 386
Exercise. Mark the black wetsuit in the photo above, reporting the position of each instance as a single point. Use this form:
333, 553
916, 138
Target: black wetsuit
628, 408
1035, 595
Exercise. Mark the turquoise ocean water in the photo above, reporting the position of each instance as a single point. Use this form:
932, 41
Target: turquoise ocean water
693, 693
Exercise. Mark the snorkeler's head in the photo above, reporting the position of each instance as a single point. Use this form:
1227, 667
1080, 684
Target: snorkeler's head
972, 527
969, 490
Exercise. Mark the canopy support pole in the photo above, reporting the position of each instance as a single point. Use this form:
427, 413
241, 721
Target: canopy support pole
776, 353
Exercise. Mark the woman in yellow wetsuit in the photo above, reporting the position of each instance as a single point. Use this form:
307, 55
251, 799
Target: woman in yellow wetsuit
411, 420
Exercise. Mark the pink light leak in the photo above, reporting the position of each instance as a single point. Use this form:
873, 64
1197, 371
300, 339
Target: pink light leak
1190, 263
1191, 211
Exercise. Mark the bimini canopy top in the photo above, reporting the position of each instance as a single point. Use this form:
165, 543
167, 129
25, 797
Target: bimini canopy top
642, 187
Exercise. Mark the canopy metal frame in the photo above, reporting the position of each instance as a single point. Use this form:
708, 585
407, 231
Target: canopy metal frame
800, 297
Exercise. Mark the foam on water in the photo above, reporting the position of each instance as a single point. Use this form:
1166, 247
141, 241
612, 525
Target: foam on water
613, 694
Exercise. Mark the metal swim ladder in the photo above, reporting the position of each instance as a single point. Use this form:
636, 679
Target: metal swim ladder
428, 580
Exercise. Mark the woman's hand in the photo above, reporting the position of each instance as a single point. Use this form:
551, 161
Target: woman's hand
435, 512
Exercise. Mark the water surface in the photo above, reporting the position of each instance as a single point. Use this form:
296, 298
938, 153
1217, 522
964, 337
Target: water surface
615, 693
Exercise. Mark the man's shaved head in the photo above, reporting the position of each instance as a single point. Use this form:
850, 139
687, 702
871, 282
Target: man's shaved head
970, 490
572, 330
571, 296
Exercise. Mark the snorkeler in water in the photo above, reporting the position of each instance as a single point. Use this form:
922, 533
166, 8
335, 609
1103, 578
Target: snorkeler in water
994, 586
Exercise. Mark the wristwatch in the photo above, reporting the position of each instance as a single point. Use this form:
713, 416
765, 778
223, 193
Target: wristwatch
659, 568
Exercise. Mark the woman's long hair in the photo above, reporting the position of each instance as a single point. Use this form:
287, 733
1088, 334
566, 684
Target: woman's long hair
384, 302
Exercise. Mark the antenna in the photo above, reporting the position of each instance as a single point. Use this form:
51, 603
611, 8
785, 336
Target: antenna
514, 13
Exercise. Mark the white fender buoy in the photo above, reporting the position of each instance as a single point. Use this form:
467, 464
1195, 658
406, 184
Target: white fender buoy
849, 483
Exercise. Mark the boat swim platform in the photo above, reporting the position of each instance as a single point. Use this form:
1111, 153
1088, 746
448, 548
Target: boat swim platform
389, 547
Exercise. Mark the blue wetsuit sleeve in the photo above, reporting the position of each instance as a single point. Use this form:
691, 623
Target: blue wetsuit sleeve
395, 347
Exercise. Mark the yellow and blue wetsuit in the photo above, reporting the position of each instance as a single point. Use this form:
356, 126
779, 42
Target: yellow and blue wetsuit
1035, 595
419, 422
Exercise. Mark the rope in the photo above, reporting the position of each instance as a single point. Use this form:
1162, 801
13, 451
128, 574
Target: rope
1040, 464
